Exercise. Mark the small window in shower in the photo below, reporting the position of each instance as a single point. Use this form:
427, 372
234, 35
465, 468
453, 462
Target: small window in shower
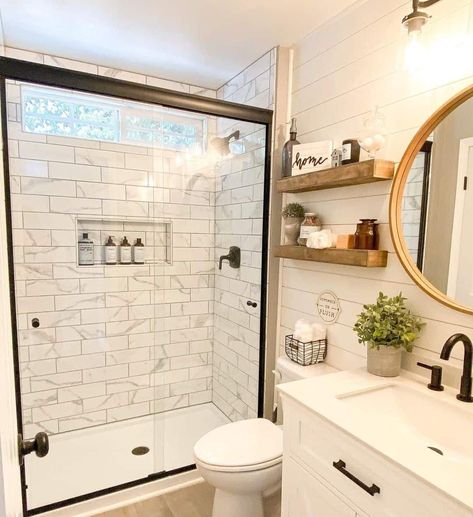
47, 111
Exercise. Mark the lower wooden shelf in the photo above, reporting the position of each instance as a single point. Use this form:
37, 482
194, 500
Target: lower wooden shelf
360, 258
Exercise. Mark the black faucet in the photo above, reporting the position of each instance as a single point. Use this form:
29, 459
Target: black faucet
233, 257
465, 385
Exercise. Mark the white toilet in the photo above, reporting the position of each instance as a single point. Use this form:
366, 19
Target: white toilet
243, 460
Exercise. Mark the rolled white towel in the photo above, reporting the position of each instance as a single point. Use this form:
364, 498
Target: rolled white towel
318, 332
301, 324
303, 335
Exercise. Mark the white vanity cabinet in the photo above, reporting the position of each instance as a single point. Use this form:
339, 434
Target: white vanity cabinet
365, 484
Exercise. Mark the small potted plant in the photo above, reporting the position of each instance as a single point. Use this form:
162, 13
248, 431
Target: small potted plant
293, 215
386, 328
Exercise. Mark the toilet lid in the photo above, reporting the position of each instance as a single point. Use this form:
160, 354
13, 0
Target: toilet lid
239, 444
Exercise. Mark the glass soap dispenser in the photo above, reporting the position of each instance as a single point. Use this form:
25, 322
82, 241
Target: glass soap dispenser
86, 251
125, 252
110, 251
287, 150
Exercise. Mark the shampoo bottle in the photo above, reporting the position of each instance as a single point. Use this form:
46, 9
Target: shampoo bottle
139, 252
86, 251
125, 252
110, 251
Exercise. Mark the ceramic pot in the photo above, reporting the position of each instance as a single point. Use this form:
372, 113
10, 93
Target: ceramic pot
385, 362
292, 229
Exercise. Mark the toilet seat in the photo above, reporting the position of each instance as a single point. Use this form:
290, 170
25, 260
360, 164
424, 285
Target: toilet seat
242, 446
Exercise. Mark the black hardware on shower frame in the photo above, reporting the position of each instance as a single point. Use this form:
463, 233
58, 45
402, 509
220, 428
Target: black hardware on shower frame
465, 383
233, 257
36, 73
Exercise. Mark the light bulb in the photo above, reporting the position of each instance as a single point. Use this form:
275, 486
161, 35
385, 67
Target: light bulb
414, 51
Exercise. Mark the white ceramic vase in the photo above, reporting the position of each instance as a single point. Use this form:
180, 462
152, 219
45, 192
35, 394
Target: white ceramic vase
385, 362
292, 229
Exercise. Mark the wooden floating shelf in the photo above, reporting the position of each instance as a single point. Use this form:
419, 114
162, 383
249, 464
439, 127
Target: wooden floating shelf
361, 258
368, 171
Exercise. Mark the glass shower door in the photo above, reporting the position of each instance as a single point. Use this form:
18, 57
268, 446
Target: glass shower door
81, 168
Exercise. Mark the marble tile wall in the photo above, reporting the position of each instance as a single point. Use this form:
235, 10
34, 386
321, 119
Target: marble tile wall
238, 222
115, 342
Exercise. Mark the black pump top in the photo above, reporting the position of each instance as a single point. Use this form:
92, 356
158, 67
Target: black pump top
125, 242
85, 235
138, 242
110, 241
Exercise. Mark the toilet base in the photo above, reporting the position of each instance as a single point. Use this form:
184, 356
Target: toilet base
227, 504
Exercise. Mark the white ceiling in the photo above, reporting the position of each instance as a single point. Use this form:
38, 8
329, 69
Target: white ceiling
202, 42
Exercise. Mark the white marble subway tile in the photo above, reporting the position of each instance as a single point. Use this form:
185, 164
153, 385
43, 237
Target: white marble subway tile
98, 157
149, 367
80, 362
63, 238
70, 64
134, 193
94, 389
56, 380
52, 287
148, 394
36, 336
189, 361
149, 339
195, 334
50, 152
55, 350
100, 191
127, 327
129, 384
80, 205
127, 298
189, 281
127, 208
130, 270
172, 350
34, 368
170, 403
13, 150
129, 411
46, 254
138, 161
202, 267
25, 202
167, 84
38, 398
74, 142
190, 308
105, 373
58, 318
91, 346
75, 332
105, 402
203, 92
127, 356
202, 212
202, 294
82, 421
72, 271
181, 388
124, 176
26, 304
15, 132
142, 311
47, 222
103, 285
23, 167
98, 315
80, 301
144, 283
122, 75
200, 397
76, 172
49, 427
24, 55
31, 237
63, 409
18, 255
170, 376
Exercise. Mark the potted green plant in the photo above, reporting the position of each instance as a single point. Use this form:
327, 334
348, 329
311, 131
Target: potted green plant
386, 328
293, 215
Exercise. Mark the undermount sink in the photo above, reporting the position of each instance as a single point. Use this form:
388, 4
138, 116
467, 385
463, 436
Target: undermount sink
422, 419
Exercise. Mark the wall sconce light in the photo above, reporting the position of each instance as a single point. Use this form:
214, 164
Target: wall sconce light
414, 23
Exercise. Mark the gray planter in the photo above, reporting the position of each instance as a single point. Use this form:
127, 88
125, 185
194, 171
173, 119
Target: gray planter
292, 229
385, 362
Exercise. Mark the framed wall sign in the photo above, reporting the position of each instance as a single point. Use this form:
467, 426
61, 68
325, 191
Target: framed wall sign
311, 157
328, 306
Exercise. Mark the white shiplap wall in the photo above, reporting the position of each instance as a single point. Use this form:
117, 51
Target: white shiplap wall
341, 72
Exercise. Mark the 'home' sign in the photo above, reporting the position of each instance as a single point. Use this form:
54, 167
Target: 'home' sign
311, 157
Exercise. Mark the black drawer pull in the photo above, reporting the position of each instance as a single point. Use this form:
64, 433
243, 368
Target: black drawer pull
341, 466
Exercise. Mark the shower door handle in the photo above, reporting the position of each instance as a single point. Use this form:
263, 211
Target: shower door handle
39, 444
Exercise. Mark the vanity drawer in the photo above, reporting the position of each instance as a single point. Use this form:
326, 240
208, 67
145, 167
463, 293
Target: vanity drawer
317, 445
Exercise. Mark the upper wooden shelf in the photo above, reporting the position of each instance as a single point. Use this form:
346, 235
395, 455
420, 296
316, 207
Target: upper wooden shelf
361, 258
367, 171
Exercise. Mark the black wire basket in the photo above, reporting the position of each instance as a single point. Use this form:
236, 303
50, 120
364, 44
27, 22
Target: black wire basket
312, 352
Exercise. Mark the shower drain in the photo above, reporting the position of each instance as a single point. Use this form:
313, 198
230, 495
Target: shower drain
139, 451
435, 449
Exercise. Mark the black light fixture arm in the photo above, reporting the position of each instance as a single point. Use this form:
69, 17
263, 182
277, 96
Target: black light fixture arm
423, 4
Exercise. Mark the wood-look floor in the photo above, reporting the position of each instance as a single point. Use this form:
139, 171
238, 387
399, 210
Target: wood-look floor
193, 501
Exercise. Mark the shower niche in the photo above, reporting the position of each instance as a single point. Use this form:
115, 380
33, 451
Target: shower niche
156, 236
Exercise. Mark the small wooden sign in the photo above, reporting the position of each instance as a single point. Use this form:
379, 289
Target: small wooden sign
311, 157
328, 306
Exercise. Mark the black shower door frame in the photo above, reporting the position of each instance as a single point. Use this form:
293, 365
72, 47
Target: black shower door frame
25, 71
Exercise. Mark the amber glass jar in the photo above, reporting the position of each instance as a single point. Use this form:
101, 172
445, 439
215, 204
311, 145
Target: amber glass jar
311, 223
367, 235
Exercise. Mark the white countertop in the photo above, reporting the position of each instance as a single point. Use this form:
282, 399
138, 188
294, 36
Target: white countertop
451, 473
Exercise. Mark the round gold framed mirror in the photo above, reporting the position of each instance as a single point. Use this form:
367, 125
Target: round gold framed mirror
431, 205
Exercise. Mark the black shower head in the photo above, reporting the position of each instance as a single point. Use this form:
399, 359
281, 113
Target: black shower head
222, 144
